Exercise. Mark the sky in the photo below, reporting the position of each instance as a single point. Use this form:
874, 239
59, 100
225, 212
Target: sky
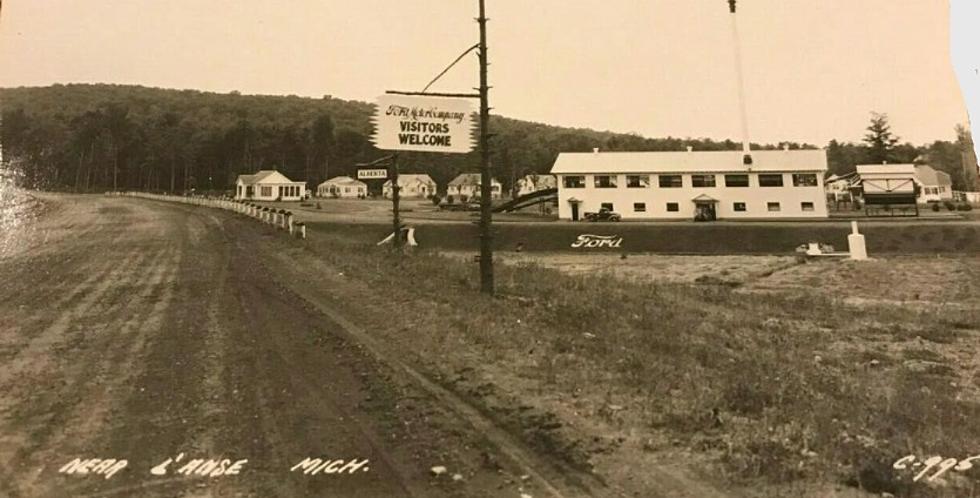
814, 69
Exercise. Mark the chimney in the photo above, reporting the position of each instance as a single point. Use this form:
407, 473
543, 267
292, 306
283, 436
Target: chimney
747, 153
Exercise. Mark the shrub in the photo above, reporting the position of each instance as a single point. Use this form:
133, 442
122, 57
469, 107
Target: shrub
435, 200
450, 199
964, 207
949, 205
935, 207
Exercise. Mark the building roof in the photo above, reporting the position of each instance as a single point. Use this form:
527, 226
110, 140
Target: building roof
927, 175
885, 169
262, 175
343, 181
468, 179
407, 178
848, 177
688, 161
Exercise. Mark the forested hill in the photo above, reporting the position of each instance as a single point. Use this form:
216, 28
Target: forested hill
97, 137
100, 137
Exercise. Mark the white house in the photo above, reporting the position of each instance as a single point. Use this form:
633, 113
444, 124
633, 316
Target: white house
690, 185
344, 187
268, 185
839, 188
468, 185
934, 186
411, 185
533, 183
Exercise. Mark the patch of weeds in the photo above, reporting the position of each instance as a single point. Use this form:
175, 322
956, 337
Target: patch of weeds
922, 354
939, 333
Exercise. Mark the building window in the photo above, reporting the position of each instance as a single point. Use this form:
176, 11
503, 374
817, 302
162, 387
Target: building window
639, 207
673, 207
573, 181
637, 181
804, 180
266, 191
770, 180
772, 206
736, 180
703, 180
806, 206
605, 181
608, 206
739, 206
671, 181
346, 190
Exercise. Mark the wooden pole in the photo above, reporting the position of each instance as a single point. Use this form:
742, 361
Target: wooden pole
486, 215
395, 198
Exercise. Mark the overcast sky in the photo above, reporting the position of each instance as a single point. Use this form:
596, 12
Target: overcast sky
815, 69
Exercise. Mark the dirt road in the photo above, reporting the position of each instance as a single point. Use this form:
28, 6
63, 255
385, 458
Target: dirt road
154, 333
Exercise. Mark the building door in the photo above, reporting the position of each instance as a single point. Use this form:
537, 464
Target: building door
704, 211
574, 211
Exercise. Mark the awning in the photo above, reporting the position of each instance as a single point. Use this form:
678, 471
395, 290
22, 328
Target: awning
574, 200
704, 198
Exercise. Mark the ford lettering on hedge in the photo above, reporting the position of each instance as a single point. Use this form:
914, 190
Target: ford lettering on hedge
596, 241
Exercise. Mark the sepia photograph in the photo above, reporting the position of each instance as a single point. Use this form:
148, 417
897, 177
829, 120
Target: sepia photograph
489, 249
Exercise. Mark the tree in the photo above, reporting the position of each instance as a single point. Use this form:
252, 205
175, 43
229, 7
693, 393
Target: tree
321, 143
968, 158
880, 139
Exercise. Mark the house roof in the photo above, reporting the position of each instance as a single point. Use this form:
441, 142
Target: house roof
469, 179
405, 179
927, 175
688, 161
343, 181
262, 175
846, 177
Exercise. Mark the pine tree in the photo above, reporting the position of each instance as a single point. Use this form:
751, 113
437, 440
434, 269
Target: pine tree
880, 139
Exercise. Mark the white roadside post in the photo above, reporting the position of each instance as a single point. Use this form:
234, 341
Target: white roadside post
856, 245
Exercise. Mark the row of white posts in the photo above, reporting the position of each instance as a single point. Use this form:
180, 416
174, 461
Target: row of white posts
279, 218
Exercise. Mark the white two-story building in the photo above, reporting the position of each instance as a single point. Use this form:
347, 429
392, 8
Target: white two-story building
693, 185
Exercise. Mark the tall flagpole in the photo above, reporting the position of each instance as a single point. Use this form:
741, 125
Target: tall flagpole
486, 192
1, 103
747, 153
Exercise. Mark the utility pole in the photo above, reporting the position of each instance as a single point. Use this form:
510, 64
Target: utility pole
486, 215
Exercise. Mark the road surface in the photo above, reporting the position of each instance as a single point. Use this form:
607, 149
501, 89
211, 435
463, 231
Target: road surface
153, 333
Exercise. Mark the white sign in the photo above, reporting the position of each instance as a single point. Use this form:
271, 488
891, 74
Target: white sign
372, 174
423, 124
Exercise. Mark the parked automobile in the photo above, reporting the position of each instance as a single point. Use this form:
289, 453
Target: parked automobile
604, 214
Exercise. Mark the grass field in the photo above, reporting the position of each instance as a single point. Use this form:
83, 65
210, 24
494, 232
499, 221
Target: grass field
793, 380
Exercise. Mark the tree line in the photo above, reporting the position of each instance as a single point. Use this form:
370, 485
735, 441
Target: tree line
86, 138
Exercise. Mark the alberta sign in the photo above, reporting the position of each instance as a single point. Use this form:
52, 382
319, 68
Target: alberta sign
423, 124
372, 174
